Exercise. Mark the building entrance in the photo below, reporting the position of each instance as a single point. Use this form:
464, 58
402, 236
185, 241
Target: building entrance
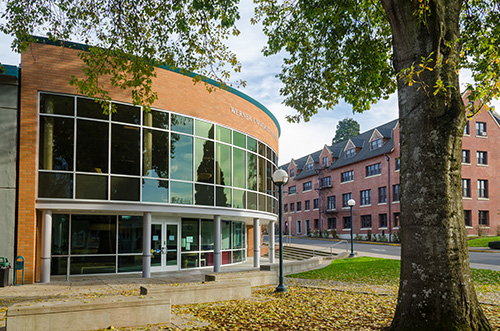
164, 246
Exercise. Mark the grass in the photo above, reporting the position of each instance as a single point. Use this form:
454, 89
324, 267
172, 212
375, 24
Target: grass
376, 271
482, 241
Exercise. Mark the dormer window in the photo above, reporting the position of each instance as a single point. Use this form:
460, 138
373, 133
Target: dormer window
350, 152
292, 173
325, 161
375, 144
310, 166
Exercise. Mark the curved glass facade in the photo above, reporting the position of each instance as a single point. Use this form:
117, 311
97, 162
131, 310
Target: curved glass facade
155, 157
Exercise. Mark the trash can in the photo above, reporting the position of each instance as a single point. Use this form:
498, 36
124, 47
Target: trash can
4, 272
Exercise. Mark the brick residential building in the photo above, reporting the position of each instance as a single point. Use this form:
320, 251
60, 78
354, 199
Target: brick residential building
322, 182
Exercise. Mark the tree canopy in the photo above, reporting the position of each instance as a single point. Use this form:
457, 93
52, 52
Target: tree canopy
346, 128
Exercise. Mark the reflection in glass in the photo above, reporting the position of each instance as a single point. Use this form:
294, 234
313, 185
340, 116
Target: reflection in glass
207, 235
84, 265
157, 119
204, 129
92, 146
204, 195
92, 187
269, 173
55, 185
182, 124
156, 245
223, 165
181, 157
60, 234
225, 235
57, 104
189, 260
262, 202
125, 150
237, 256
239, 198
155, 153
56, 143
181, 193
207, 259
261, 180
204, 160
223, 134
223, 196
90, 108
93, 234
124, 188
129, 263
190, 235
226, 257
58, 265
252, 200
262, 149
271, 208
252, 171
239, 139
154, 190
251, 144
126, 114
129, 234
239, 168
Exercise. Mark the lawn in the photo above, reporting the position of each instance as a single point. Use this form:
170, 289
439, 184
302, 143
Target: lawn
482, 241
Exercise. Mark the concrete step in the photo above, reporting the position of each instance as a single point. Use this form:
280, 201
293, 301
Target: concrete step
299, 253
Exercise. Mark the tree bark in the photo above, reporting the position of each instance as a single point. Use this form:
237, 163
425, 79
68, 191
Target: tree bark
436, 290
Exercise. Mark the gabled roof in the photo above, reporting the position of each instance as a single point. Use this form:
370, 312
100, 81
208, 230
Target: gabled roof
496, 116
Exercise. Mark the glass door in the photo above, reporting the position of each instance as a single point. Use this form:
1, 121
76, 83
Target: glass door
164, 246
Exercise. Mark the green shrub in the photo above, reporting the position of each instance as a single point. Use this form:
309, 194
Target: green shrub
494, 244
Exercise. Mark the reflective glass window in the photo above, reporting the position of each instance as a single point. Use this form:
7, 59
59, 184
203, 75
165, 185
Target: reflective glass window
238, 234
207, 235
223, 134
92, 146
126, 114
154, 190
91, 187
181, 193
57, 104
93, 234
223, 196
239, 198
239, 139
203, 195
55, 185
251, 144
190, 235
262, 149
156, 119
155, 153
60, 234
251, 171
204, 160
204, 129
182, 124
252, 200
239, 168
262, 175
269, 172
129, 234
190, 260
56, 143
262, 202
125, 188
90, 108
129, 263
223, 165
226, 235
181, 157
84, 265
125, 149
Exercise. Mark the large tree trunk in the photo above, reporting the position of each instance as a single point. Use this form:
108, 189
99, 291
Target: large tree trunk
436, 290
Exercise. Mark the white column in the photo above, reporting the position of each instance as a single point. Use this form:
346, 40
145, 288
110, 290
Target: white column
256, 243
272, 243
217, 243
46, 244
146, 245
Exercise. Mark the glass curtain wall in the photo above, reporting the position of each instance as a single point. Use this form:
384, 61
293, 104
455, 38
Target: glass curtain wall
152, 157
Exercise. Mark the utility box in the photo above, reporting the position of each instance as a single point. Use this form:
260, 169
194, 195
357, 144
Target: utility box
4, 272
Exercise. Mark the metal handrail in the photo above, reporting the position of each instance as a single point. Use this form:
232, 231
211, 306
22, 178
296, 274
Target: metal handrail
332, 246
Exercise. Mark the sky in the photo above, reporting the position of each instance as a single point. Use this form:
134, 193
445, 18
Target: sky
259, 72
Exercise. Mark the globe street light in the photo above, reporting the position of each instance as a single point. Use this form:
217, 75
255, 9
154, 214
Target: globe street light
280, 178
351, 203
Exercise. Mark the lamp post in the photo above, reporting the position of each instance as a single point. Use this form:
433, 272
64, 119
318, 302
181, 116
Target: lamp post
351, 203
280, 178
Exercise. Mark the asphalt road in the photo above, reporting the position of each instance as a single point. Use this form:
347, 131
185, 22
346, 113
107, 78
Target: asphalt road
478, 260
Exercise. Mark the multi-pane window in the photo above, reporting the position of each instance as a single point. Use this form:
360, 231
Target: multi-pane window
350, 152
307, 186
299, 206
398, 163
315, 203
347, 222
292, 190
332, 223
325, 161
299, 226
347, 176
482, 157
375, 144
373, 169
396, 219
316, 223
467, 218
366, 197
382, 194
483, 217
331, 202
307, 205
326, 181
292, 206
482, 188
481, 129
465, 188
465, 156
466, 129
285, 207
310, 166
382, 220
292, 173
345, 198
366, 221
395, 192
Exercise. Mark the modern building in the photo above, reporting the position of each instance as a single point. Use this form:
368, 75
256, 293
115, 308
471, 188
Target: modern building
366, 168
183, 186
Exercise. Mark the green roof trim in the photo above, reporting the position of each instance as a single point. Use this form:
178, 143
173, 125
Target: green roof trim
83, 47
10, 70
